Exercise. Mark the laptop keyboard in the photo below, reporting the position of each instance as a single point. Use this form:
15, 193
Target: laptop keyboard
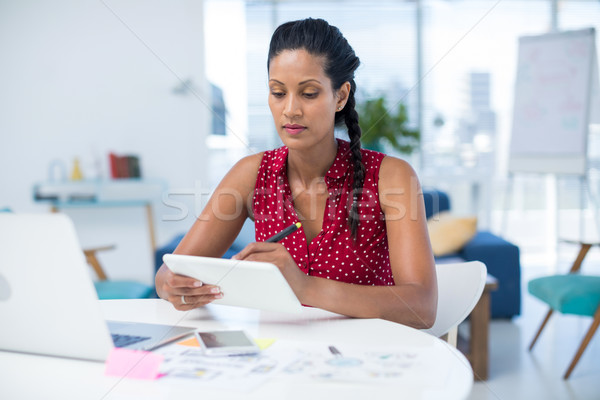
126, 340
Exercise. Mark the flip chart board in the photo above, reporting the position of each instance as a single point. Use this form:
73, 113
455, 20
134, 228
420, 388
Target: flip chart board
556, 98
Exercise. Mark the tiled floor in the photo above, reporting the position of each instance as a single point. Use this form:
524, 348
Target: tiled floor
515, 373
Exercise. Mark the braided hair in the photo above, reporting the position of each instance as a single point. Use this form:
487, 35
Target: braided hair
319, 38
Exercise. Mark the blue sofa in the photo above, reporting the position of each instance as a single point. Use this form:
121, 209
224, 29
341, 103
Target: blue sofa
500, 257
246, 236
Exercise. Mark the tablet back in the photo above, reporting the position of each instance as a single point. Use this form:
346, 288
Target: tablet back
248, 284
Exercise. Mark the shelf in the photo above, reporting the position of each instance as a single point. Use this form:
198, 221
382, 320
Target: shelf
113, 193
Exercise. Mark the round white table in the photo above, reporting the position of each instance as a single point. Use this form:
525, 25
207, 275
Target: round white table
27, 376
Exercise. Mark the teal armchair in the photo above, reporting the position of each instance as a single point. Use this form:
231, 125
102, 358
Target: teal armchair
570, 294
115, 289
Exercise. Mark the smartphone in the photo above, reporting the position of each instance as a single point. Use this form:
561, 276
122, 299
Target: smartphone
226, 343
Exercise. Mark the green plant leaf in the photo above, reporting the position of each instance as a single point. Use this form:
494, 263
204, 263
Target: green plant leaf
380, 125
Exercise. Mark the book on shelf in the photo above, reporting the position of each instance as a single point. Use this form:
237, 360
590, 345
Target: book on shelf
124, 166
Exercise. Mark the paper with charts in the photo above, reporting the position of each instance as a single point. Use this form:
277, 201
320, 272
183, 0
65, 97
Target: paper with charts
397, 365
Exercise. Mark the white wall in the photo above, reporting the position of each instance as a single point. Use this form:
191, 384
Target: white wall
83, 78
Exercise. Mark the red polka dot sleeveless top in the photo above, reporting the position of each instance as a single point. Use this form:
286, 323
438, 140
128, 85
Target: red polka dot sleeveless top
332, 254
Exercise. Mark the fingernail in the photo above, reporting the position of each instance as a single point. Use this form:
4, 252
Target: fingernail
215, 290
235, 257
197, 284
219, 296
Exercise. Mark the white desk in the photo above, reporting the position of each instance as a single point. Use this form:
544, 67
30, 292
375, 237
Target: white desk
35, 377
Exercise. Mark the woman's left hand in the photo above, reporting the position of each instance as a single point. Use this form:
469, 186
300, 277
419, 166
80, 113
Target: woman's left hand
275, 253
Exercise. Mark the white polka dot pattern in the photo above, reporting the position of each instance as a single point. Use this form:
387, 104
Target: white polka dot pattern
332, 254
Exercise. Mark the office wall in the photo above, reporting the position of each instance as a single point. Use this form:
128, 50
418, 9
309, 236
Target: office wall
83, 78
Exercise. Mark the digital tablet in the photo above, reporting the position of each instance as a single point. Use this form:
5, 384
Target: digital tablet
249, 284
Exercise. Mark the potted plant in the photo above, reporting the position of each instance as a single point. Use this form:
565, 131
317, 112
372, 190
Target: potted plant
381, 126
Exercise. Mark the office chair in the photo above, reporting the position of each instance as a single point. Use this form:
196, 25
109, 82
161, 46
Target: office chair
114, 289
460, 286
570, 294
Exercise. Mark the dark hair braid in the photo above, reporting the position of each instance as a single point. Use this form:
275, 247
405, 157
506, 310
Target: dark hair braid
354, 133
319, 38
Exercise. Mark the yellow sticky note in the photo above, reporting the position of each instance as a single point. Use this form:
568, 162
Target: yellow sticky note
192, 342
263, 343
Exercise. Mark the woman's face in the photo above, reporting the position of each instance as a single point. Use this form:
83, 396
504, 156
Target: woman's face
301, 99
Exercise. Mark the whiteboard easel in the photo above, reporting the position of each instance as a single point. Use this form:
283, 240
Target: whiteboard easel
557, 96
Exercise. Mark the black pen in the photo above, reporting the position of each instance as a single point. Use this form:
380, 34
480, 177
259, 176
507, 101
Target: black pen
335, 351
287, 231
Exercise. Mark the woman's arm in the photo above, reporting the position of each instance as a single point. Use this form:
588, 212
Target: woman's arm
413, 299
411, 257
212, 234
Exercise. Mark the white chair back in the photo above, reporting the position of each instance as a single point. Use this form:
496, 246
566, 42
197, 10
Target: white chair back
460, 286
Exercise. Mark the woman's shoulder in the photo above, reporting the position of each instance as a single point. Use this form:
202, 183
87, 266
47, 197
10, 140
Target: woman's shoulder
264, 160
395, 171
241, 178
245, 170
251, 162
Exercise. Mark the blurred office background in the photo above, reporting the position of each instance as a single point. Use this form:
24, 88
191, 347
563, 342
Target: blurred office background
182, 85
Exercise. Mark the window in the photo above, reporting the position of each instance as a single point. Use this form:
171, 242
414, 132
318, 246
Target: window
382, 35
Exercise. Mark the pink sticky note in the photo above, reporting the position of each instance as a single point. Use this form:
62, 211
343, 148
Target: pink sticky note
133, 364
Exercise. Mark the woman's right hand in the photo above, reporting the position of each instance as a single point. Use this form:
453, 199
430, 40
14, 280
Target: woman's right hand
183, 292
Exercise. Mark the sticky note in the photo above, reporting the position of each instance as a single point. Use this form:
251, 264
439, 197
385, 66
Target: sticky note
192, 342
264, 343
261, 343
133, 364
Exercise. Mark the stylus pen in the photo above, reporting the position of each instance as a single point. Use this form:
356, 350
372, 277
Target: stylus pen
335, 351
287, 231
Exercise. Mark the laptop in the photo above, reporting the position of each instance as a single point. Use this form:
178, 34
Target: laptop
48, 302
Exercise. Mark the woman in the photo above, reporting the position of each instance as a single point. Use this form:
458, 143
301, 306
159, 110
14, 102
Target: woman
363, 249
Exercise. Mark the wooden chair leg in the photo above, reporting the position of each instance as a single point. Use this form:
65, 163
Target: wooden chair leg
93, 261
90, 257
585, 247
537, 335
584, 343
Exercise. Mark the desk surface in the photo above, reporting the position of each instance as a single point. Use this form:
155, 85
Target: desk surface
30, 376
